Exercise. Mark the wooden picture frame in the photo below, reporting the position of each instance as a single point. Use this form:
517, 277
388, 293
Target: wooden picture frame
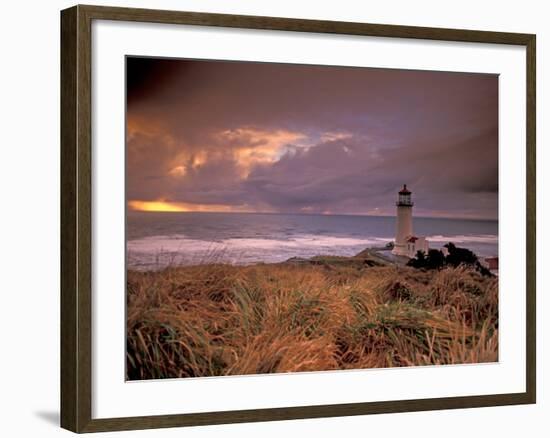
76, 236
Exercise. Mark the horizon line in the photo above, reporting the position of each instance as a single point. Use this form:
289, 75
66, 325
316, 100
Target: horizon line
311, 214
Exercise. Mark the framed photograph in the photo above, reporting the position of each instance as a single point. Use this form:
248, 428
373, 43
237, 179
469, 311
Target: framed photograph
269, 218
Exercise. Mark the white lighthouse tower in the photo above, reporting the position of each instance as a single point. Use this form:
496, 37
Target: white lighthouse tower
406, 243
404, 222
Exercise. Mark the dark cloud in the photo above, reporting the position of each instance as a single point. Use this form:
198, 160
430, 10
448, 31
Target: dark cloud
310, 138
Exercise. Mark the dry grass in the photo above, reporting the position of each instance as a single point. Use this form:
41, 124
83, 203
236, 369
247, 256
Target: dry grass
216, 320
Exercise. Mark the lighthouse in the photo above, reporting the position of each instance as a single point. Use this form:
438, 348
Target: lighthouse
404, 221
406, 243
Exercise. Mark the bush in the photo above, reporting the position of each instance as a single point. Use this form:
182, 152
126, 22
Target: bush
419, 261
434, 260
459, 256
455, 258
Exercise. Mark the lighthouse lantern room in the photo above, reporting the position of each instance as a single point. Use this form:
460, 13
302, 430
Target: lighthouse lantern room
404, 199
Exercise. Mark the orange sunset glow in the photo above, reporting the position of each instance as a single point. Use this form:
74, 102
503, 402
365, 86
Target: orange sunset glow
167, 206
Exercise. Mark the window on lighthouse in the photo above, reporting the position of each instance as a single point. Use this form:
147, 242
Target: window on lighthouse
405, 199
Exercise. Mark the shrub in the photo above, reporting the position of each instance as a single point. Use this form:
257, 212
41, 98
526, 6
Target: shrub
458, 256
455, 258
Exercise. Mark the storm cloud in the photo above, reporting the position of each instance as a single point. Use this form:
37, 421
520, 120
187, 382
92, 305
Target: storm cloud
241, 136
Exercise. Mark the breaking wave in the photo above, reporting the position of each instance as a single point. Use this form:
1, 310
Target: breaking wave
178, 250
482, 238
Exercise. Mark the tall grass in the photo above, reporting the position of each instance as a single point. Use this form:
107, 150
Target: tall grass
217, 319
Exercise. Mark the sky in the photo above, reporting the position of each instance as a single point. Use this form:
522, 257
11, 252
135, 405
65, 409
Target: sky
263, 137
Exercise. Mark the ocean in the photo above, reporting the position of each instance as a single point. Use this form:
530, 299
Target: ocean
156, 240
